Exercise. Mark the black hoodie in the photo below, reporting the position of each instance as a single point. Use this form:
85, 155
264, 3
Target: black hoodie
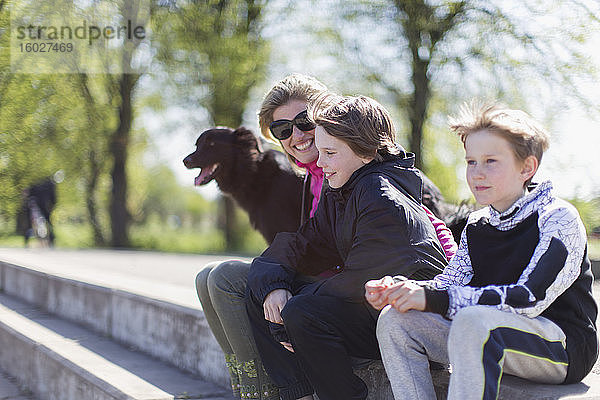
370, 227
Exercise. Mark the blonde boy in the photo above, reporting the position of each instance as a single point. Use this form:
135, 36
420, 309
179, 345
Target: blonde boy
516, 298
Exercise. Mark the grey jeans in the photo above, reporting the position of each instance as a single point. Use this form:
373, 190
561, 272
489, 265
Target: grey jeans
221, 288
481, 343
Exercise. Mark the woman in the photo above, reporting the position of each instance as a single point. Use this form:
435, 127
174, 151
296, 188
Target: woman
221, 287
370, 221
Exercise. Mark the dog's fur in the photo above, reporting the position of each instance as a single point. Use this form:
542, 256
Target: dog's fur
266, 187
262, 182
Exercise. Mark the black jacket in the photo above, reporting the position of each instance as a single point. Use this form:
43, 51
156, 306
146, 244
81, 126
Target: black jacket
307, 197
372, 226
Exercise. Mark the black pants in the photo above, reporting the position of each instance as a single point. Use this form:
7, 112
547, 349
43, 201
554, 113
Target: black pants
325, 333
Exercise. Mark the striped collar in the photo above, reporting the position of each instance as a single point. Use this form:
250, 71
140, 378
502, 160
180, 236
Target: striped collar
523, 207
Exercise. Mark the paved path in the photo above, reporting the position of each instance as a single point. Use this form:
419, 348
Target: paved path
164, 276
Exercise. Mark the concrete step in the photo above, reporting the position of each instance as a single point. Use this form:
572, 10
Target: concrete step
161, 317
57, 359
513, 388
173, 333
11, 389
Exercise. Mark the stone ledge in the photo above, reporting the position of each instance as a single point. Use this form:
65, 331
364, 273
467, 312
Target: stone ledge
511, 388
169, 332
57, 359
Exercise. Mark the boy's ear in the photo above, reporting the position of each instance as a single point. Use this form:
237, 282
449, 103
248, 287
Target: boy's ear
530, 166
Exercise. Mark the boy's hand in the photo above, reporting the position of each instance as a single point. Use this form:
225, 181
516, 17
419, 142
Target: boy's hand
274, 303
374, 291
406, 295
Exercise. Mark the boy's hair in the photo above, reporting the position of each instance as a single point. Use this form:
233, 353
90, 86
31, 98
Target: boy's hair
361, 122
525, 135
292, 87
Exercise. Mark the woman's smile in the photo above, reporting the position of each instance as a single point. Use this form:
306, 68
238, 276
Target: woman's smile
305, 145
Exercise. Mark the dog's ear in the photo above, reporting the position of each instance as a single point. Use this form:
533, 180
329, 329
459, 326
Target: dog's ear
246, 138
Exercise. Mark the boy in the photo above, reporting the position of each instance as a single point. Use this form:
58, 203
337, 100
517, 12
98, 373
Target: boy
370, 222
517, 295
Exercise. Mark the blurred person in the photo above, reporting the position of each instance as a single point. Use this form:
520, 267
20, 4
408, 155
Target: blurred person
37, 201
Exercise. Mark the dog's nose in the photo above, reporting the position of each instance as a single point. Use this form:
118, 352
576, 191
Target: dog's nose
187, 161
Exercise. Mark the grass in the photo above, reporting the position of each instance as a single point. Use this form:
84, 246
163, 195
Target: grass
151, 236
161, 237
11, 241
594, 248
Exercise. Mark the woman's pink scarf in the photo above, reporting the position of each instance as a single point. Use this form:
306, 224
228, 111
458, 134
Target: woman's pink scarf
316, 182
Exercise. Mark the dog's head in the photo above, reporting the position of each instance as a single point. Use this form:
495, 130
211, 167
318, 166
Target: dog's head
219, 147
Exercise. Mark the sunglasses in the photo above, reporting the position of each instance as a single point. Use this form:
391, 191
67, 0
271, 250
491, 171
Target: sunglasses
282, 128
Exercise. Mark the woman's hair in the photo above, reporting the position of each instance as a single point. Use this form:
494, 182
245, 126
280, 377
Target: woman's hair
361, 122
292, 87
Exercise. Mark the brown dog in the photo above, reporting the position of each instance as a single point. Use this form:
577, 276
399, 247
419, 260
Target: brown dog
262, 182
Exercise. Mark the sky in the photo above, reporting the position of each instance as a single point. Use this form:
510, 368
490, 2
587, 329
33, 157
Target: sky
573, 159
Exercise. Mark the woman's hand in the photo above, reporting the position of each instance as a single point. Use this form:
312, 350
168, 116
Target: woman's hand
274, 303
406, 295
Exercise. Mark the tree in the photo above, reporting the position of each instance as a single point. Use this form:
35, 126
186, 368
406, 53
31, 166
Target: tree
481, 47
41, 129
93, 122
96, 134
119, 139
215, 48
